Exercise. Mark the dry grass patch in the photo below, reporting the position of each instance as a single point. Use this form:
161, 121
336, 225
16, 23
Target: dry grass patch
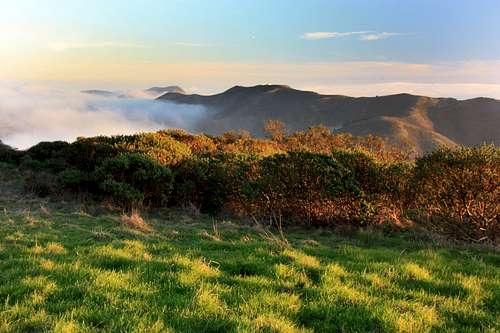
135, 221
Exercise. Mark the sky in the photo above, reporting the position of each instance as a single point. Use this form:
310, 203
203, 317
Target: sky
354, 47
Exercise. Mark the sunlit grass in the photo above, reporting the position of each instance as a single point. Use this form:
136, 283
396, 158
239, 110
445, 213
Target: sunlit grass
78, 273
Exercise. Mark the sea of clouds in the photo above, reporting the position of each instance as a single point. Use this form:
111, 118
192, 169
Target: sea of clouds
32, 113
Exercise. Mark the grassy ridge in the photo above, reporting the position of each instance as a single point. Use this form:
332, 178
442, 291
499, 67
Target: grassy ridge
72, 272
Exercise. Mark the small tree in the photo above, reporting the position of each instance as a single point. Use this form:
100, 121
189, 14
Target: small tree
275, 130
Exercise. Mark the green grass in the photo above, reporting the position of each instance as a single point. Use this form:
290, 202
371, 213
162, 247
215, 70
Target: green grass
69, 272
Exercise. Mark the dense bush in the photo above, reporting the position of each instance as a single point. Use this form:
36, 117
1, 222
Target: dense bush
316, 177
459, 191
47, 150
45, 156
382, 185
41, 183
134, 180
9, 155
77, 180
363, 167
86, 153
300, 186
158, 146
211, 181
321, 139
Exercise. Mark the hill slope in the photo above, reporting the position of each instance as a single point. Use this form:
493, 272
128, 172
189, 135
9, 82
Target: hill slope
420, 122
66, 269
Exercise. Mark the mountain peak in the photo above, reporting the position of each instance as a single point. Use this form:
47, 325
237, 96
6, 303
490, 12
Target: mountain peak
261, 88
423, 123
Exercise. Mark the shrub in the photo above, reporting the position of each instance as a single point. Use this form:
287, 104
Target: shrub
46, 156
27, 163
259, 147
275, 129
459, 191
41, 183
47, 150
394, 183
76, 180
200, 144
363, 167
211, 181
135, 180
158, 146
321, 139
86, 153
383, 185
315, 176
123, 193
302, 186
9, 155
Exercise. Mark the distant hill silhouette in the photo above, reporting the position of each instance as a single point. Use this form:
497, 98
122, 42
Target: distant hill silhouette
421, 122
163, 90
153, 92
102, 93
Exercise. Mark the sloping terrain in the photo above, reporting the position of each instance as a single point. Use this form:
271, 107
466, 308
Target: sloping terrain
70, 268
421, 122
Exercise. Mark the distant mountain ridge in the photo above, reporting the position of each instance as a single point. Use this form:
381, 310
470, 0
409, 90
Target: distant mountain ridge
97, 92
152, 92
420, 122
163, 90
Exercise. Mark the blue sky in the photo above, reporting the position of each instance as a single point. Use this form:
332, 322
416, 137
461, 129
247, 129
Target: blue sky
208, 45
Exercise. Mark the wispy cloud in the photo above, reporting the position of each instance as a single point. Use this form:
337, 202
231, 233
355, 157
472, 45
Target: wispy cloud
378, 36
367, 36
331, 34
81, 45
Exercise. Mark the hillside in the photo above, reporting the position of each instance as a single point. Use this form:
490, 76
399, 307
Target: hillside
72, 268
420, 122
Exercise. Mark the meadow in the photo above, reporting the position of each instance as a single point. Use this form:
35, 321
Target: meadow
80, 272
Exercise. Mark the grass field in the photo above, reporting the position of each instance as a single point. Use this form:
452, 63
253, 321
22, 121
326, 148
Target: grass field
72, 272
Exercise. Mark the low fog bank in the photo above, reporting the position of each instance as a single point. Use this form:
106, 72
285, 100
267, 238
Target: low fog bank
30, 114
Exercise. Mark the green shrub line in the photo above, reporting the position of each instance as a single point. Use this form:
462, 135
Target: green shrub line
314, 177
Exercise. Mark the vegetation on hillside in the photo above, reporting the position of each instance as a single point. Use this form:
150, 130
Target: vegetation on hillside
69, 264
315, 177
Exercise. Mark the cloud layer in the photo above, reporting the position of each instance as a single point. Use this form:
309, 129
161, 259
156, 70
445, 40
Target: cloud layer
32, 114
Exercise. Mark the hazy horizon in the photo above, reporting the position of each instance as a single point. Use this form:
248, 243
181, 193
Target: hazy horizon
356, 48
